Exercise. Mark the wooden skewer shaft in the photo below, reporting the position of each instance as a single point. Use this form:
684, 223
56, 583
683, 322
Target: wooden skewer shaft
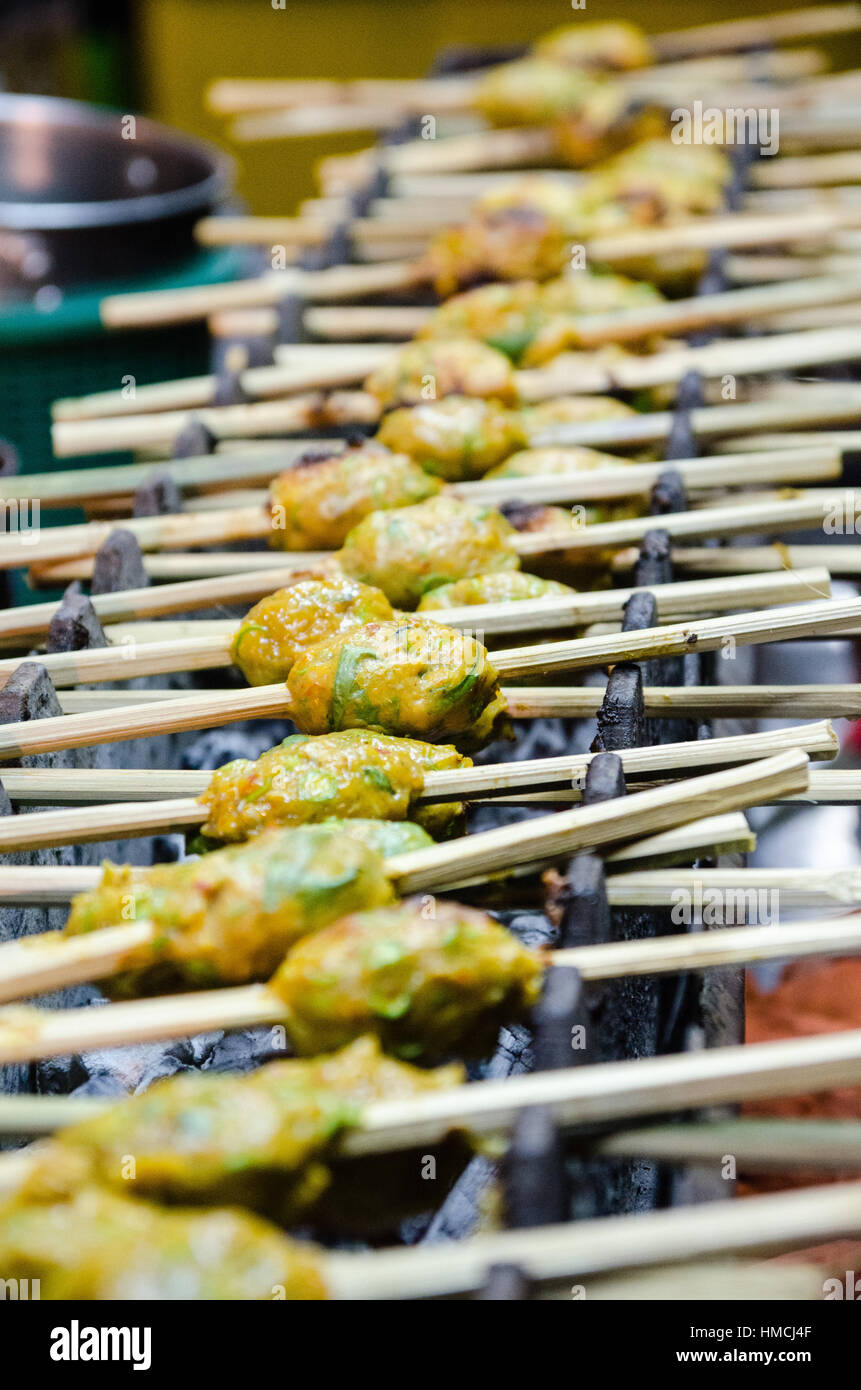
208, 523
725, 896
131, 657
145, 815
741, 230
325, 366
35, 964
41, 547
701, 476
763, 1144
806, 407
843, 560
27, 1035
780, 27
566, 373
676, 600
575, 702
83, 730
673, 601
309, 367
216, 474
162, 789
722, 834
415, 96
804, 512
708, 634
554, 1255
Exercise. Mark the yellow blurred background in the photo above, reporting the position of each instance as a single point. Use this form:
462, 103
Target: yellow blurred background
184, 45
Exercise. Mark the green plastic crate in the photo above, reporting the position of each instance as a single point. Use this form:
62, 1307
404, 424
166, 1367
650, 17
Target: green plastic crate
66, 352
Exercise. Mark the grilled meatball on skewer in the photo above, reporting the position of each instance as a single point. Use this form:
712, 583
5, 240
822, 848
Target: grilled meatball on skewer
230, 916
531, 321
263, 1141
98, 1246
461, 437
428, 977
526, 230
354, 773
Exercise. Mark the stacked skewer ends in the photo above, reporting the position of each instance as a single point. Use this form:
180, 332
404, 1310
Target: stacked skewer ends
435, 582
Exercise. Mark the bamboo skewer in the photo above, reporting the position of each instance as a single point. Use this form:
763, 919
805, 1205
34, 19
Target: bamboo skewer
39, 963
781, 27
297, 369
797, 513
828, 786
385, 98
45, 964
216, 473
792, 888
125, 605
553, 1255
86, 786
58, 543
843, 560
674, 601
429, 193
599, 484
814, 619
727, 307
566, 373
769, 1145
755, 1143
28, 1035
727, 893
741, 230
805, 408
722, 834
817, 293
140, 811
570, 702
83, 730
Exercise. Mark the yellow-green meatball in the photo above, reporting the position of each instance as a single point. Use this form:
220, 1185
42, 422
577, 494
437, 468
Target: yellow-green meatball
283, 624
317, 502
591, 292
408, 553
229, 917
457, 438
504, 586
628, 198
532, 463
413, 678
508, 317
613, 45
258, 1141
352, 773
573, 410
500, 314
532, 91
427, 371
427, 977
699, 163
98, 1246
565, 301
606, 122
387, 837
521, 231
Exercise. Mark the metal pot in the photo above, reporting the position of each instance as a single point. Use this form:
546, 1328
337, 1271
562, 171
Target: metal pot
88, 194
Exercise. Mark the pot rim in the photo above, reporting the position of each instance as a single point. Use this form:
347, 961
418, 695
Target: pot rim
149, 207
